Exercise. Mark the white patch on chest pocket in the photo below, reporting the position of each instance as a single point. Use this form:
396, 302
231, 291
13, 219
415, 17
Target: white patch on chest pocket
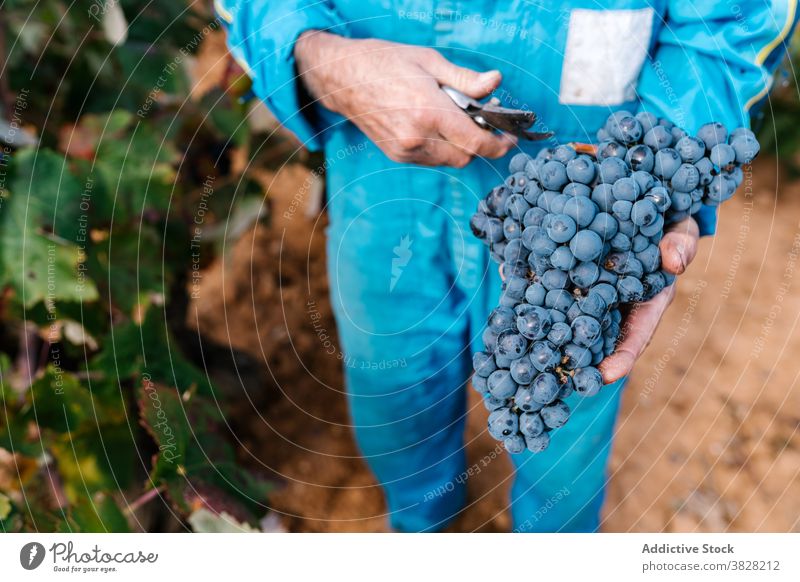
604, 56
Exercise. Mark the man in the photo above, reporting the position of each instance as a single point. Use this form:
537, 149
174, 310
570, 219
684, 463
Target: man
410, 286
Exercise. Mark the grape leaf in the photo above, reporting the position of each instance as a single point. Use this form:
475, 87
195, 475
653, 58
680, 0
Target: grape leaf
204, 521
133, 350
38, 265
58, 401
97, 514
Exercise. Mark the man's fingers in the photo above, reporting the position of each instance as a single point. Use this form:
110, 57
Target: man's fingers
679, 245
456, 127
637, 330
431, 150
467, 81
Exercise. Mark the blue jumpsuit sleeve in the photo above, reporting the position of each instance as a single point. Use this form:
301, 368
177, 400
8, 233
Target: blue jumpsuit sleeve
261, 37
713, 62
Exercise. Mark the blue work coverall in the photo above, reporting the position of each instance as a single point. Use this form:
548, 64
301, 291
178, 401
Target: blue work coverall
410, 286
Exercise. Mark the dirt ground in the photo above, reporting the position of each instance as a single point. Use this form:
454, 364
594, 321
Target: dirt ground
707, 439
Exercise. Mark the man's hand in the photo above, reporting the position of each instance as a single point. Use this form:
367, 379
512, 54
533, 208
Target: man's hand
678, 249
392, 93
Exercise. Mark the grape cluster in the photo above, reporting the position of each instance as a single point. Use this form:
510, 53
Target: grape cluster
576, 234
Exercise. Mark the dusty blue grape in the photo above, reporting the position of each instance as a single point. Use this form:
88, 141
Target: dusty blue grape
533, 217
625, 129
622, 210
605, 225
535, 294
620, 242
496, 200
535, 324
554, 279
647, 119
745, 147
479, 383
545, 388
491, 403
653, 228
483, 363
511, 344
660, 197
557, 204
593, 304
538, 444
544, 355
515, 444
553, 175
501, 384
721, 188
644, 180
581, 169
546, 198
712, 134
581, 209
650, 258
515, 251
503, 423
576, 189
722, 155
639, 243
607, 292
681, 201
644, 212
576, 356
588, 381
612, 169
531, 424
560, 334
585, 274
522, 370
562, 228
603, 196
585, 331
532, 192
690, 149
686, 178
517, 206
555, 415
640, 158
564, 153
630, 289
654, 283
611, 149
511, 228
586, 245
514, 286
667, 163
518, 163
541, 244
628, 228
501, 319
658, 138
523, 399
562, 258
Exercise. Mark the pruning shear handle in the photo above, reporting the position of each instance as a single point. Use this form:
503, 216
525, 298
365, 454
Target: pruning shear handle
491, 115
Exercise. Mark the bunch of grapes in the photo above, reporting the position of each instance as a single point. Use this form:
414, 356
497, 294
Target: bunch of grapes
576, 233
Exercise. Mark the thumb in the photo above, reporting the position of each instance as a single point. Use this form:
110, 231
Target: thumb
679, 246
469, 82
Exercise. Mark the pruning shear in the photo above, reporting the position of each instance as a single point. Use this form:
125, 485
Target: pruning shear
491, 115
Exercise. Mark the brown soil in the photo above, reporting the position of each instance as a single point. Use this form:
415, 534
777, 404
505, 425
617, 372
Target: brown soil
708, 435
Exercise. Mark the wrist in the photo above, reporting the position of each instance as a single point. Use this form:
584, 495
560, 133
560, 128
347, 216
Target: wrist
314, 52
